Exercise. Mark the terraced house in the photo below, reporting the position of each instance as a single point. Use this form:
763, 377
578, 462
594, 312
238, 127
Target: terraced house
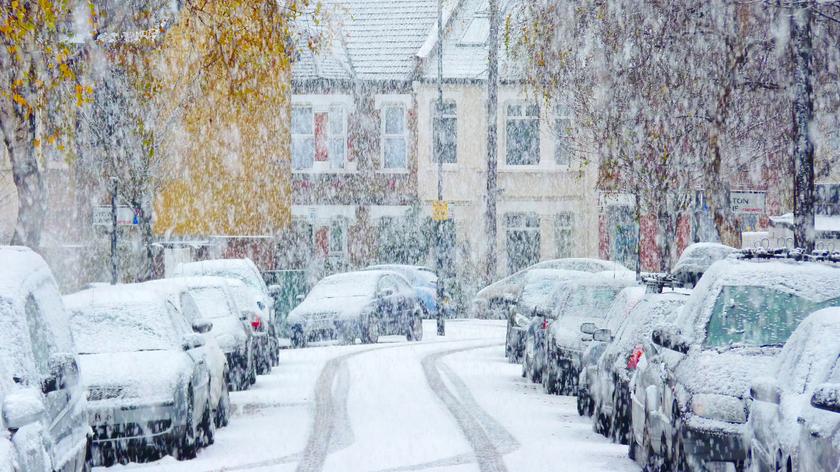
354, 134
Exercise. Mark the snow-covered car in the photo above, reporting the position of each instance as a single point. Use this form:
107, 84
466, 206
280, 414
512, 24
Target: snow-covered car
791, 427
206, 303
148, 388
588, 314
262, 311
491, 301
690, 401
363, 304
215, 301
425, 281
535, 300
44, 419
604, 387
248, 303
696, 259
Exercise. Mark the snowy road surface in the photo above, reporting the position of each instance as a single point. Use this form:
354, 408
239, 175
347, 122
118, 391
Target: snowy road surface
447, 404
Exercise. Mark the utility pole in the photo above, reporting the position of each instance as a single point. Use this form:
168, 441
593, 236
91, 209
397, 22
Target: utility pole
803, 113
441, 326
114, 189
492, 112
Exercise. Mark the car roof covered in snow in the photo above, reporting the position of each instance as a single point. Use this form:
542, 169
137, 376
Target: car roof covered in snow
112, 296
242, 269
698, 257
19, 265
814, 281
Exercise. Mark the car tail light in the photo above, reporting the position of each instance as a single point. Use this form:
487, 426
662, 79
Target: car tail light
635, 357
256, 323
545, 324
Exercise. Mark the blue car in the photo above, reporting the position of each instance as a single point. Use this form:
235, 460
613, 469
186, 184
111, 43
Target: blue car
424, 281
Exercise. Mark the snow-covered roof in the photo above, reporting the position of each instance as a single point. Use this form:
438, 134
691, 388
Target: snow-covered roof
699, 256
373, 39
465, 53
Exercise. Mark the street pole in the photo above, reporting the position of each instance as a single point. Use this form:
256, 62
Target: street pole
441, 326
114, 232
803, 114
492, 112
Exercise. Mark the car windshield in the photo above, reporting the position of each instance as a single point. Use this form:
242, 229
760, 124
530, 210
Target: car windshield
758, 316
589, 301
426, 277
345, 286
537, 293
211, 302
122, 328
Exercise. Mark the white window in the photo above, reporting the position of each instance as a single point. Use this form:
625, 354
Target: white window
394, 142
303, 138
319, 137
562, 138
445, 129
564, 223
522, 134
338, 236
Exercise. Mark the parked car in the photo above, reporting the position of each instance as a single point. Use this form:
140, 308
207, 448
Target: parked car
604, 387
248, 304
695, 260
425, 281
793, 414
593, 293
44, 421
363, 304
203, 301
690, 401
534, 300
211, 299
147, 382
263, 320
490, 302
580, 322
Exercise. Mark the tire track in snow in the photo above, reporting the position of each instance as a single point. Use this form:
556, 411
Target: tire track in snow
487, 438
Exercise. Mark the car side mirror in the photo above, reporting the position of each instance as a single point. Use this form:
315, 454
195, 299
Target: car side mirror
386, 292
588, 328
670, 339
602, 335
22, 408
274, 290
827, 397
300, 297
192, 341
509, 299
766, 390
64, 372
202, 326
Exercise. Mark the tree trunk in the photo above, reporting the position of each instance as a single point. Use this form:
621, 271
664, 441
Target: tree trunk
492, 113
717, 195
803, 113
29, 183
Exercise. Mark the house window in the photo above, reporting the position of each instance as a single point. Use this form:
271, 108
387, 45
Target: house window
303, 138
445, 129
564, 223
523, 240
523, 134
394, 155
338, 236
319, 137
562, 138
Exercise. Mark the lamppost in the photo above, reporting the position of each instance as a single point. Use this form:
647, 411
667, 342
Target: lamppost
439, 218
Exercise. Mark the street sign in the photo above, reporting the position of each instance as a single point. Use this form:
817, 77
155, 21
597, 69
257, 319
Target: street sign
751, 203
440, 210
126, 216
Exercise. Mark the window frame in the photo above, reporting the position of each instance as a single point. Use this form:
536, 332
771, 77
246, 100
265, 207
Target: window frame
561, 137
522, 117
384, 136
304, 136
342, 224
570, 227
328, 165
433, 118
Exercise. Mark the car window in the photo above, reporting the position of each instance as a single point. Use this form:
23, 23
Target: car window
387, 283
211, 303
38, 335
589, 301
757, 316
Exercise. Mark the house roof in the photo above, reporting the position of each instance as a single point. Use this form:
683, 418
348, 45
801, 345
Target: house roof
371, 39
464, 46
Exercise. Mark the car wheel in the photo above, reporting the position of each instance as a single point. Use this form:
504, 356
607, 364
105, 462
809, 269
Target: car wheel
620, 428
207, 427
371, 330
186, 447
549, 380
600, 422
653, 462
223, 408
252, 375
415, 327
583, 400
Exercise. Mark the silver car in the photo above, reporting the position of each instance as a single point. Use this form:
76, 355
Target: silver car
148, 385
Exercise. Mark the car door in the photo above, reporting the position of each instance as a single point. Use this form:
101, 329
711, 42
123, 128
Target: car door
387, 297
201, 374
406, 300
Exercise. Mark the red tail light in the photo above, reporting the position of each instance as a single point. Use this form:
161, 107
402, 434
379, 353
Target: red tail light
256, 323
637, 354
545, 324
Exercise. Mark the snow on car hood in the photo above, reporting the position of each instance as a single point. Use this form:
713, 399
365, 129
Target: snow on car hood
341, 307
725, 373
147, 375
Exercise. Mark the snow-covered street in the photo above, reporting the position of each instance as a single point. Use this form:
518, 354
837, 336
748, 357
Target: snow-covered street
449, 403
